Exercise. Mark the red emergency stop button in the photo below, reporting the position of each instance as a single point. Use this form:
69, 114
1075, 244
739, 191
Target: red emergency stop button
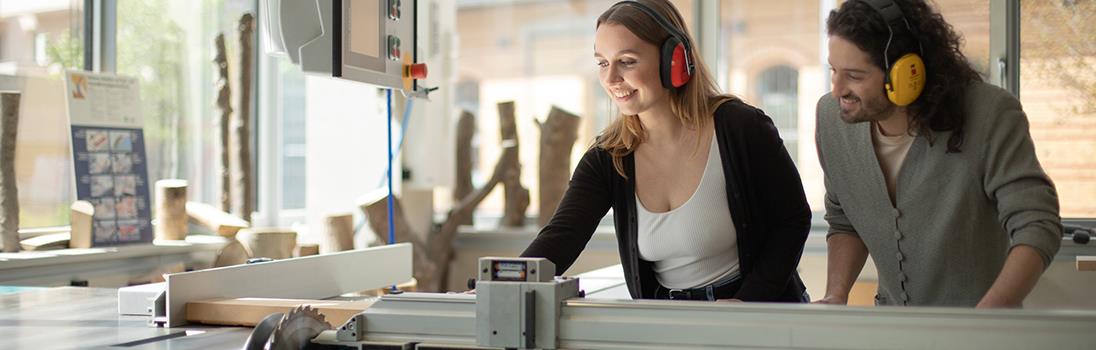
415, 71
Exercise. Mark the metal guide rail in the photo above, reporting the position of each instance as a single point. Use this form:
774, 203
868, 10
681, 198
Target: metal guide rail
541, 312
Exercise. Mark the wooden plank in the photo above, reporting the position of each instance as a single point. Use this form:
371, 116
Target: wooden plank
1086, 263
250, 311
310, 277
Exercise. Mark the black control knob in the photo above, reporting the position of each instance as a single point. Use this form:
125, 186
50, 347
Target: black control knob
1081, 236
471, 283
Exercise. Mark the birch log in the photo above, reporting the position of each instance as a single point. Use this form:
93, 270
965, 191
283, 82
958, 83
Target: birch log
557, 136
516, 197
224, 108
170, 210
466, 129
243, 200
9, 194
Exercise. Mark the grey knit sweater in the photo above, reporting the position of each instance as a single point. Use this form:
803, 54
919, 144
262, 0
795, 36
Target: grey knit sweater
956, 215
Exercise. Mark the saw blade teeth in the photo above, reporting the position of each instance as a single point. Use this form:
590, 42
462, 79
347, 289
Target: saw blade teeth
297, 327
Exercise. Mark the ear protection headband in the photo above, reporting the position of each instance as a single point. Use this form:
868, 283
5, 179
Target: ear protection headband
905, 78
675, 60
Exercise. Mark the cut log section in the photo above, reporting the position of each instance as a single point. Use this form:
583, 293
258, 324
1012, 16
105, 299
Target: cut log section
224, 224
171, 214
466, 129
9, 195
243, 200
271, 242
557, 135
306, 249
82, 213
224, 108
339, 230
515, 196
233, 253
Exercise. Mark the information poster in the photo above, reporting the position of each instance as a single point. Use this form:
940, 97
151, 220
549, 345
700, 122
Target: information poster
108, 154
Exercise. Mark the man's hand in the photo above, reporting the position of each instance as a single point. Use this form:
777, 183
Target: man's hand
1017, 278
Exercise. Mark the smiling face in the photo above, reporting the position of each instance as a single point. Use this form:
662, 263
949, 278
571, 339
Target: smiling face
857, 83
628, 69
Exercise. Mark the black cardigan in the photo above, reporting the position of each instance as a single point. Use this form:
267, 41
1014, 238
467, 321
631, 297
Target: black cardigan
764, 193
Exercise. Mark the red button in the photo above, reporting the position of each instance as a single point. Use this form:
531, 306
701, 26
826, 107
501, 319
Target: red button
418, 71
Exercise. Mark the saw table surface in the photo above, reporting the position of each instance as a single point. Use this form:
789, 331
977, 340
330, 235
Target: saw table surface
78, 317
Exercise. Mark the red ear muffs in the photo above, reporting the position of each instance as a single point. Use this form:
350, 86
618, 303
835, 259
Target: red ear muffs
673, 68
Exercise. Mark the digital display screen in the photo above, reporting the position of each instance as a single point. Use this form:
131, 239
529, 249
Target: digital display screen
509, 271
365, 29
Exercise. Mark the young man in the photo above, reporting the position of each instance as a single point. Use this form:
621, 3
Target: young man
928, 169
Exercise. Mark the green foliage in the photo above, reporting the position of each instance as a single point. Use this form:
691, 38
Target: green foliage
66, 51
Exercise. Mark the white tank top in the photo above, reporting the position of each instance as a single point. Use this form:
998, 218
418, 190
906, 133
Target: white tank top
696, 243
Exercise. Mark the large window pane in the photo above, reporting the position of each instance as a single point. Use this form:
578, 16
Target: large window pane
169, 46
772, 60
1058, 91
537, 54
38, 41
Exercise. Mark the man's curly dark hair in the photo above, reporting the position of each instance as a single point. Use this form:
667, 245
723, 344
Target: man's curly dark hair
940, 106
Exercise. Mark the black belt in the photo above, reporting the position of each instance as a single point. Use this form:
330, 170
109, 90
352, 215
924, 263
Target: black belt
706, 292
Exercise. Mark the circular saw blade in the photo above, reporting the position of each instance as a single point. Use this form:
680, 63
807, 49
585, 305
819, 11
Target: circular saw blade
297, 328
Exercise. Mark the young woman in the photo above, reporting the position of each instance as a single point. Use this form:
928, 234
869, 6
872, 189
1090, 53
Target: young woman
707, 203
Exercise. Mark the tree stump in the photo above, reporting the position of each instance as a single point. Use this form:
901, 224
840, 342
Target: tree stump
466, 129
557, 135
171, 215
243, 201
9, 194
515, 196
224, 106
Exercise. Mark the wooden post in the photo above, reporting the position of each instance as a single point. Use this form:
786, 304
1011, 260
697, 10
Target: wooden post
557, 136
516, 197
224, 106
466, 129
339, 229
243, 202
9, 194
171, 215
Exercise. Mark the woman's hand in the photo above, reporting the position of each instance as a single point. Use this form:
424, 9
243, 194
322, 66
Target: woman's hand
832, 300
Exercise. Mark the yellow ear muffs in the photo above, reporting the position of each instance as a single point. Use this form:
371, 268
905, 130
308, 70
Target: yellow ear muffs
906, 79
